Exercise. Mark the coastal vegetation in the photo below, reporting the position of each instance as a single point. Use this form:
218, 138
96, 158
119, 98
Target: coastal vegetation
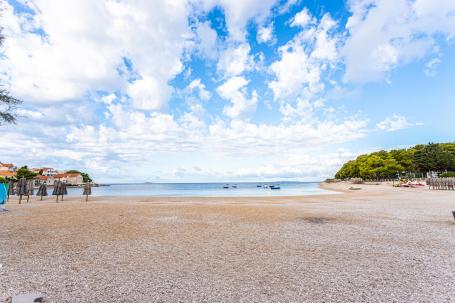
25, 172
416, 161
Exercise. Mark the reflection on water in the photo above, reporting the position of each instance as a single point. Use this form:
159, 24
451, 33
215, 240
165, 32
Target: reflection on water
206, 189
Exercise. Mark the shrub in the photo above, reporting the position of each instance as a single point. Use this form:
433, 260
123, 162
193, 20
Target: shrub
449, 174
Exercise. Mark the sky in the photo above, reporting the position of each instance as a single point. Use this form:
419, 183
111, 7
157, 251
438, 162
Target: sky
223, 90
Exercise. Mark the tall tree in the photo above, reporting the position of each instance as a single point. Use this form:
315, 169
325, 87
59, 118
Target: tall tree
8, 103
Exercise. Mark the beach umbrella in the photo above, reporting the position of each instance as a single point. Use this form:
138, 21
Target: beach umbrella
87, 190
57, 189
30, 189
63, 190
42, 190
10, 189
21, 188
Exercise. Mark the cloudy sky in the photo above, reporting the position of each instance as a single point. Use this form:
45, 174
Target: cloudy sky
208, 90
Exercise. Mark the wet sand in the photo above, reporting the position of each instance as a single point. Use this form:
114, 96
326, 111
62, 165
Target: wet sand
377, 244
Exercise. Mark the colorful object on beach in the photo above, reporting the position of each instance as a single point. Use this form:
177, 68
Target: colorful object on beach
42, 191
87, 190
21, 188
3, 195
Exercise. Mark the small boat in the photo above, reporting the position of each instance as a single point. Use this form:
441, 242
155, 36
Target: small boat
234, 186
275, 186
226, 186
259, 185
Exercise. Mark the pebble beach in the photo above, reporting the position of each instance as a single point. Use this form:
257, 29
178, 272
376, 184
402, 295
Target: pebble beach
377, 244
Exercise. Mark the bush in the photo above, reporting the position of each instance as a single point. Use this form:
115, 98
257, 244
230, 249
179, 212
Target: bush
449, 174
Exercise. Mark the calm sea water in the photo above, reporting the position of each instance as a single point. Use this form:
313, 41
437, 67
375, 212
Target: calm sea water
205, 189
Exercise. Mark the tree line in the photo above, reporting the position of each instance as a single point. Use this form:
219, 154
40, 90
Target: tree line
417, 161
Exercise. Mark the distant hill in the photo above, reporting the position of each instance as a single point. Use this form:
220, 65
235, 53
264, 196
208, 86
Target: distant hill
417, 160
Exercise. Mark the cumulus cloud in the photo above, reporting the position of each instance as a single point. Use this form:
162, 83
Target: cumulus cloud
387, 34
235, 60
265, 34
303, 60
64, 50
196, 84
239, 13
234, 90
302, 18
394, 123
207, 39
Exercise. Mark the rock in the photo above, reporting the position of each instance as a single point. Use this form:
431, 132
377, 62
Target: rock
28, 298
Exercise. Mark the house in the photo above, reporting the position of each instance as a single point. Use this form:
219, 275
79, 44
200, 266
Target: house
74, 179
8, 167
49, 181
49, 172
7, 174
70, 179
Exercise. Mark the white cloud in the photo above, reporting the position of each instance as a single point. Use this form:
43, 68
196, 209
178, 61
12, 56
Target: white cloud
235, 60
302, 18
387, 34
29, 113
207, 39
239, 13
84, 45
234, 90
303, 61
430, 67
394, 123
265, 34
196, 84
148, 93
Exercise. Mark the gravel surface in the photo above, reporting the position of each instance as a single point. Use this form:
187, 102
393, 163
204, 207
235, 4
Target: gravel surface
378, 244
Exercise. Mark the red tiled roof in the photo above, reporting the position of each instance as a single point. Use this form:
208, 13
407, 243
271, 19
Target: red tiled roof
7, 174
6, 165
73, 175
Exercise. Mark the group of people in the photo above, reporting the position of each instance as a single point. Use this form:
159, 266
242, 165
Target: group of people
25, 188
441, 183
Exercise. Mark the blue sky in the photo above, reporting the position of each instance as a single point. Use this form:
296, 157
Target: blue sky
213, 90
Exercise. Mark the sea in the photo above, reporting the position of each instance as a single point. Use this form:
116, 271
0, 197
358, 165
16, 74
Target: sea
241, 189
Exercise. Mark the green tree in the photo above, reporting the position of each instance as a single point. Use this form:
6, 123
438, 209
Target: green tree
421, 158
8, 104
25, 172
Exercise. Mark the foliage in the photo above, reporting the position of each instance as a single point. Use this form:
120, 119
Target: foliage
449, 174
25, 172
8, 104
2, 180
387, 164
85, 176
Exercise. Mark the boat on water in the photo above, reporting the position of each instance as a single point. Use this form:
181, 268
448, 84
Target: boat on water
234, 186
226, 186
275, 186
259, 185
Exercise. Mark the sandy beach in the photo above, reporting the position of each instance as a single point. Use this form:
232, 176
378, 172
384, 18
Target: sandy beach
377, 244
